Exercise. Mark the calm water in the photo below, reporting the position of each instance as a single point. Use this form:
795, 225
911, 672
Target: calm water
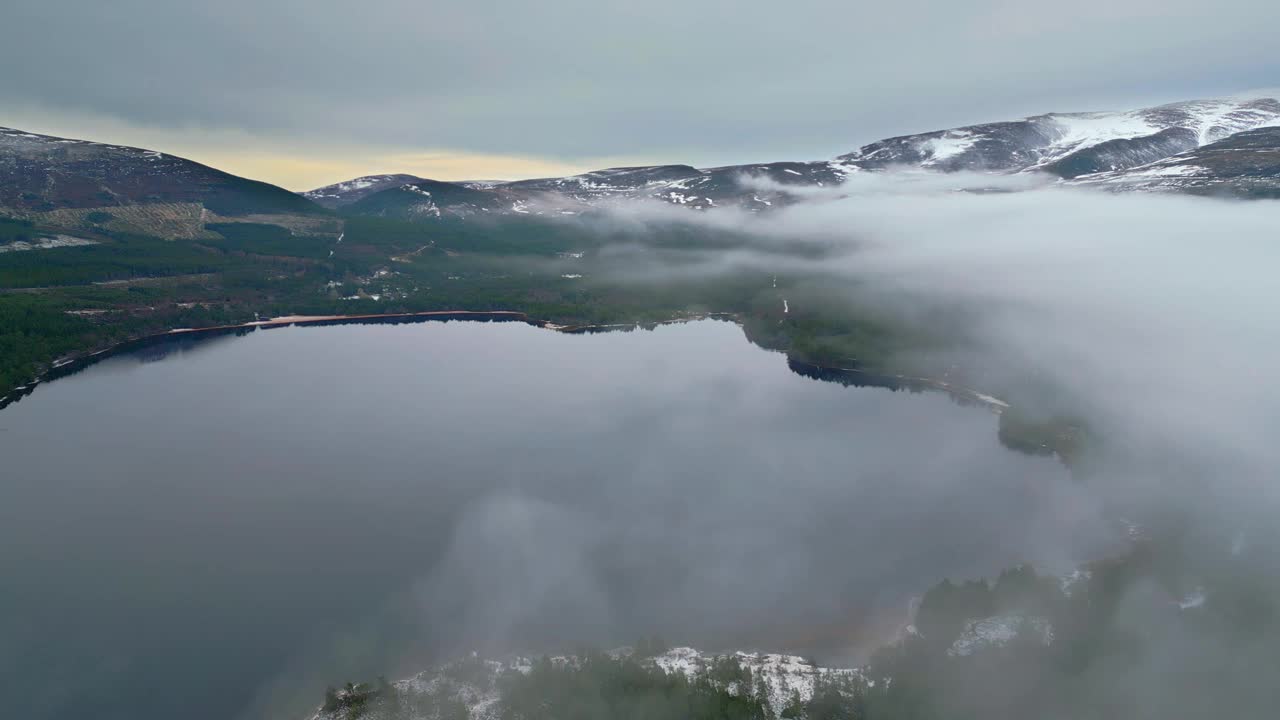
219, 529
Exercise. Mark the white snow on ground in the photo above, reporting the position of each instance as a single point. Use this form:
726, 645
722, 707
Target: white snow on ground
337, 190
784, 677
1080, 130
999, 630
427, 208
1211, 120
680, 198
46, 243
1162, 169
1215, 119
950, 144
1161, 173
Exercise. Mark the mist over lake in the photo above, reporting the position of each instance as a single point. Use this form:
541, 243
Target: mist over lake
220, 528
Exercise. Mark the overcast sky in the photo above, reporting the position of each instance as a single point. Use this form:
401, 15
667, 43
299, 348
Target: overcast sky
305, 93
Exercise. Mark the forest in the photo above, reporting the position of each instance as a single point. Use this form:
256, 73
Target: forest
62, 303
1091, 644
58, 303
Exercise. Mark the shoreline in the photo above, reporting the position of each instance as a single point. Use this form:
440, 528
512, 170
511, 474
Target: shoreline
844, 376
69, 365
912, 383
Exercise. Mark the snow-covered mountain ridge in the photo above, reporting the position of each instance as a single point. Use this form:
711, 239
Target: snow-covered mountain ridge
1073, 144
1096, 148
1217, 146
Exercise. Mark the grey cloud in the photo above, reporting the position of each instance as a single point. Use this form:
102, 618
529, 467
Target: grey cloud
1150, 315
1148, 312
579, 79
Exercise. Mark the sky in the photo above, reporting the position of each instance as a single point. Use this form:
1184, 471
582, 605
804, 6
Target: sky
307, 93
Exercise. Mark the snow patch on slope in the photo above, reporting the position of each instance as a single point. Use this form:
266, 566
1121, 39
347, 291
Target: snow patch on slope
472, 682
950, 144
785, 677
999, 630
46, 243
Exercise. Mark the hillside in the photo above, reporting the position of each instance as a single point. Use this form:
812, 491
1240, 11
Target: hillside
1246, 164
349, 191
1085, 147
755, 187
78, 183
1072, 144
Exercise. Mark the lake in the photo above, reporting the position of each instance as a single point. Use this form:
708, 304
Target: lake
219, 528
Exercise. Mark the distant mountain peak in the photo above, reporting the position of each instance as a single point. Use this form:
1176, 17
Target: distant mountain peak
1073, 144
349, 191
44, 173
1192, 146
1085, 147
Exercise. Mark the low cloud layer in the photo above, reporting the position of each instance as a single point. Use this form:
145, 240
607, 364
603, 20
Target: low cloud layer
1147, 314
721, 500
1148, 317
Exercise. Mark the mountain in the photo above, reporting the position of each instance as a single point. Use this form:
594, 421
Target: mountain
64, 181
427, 198
345, 193
1245, 164
1224, 139
1218, 146
1071, 145
685, 185
752, 186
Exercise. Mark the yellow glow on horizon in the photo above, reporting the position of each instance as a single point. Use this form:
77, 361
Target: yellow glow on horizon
305, 172
301, 163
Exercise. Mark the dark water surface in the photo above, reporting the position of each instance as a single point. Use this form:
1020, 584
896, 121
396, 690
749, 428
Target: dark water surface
218, 529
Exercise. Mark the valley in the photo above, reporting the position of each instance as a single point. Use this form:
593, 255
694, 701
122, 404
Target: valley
326, 438
116, 243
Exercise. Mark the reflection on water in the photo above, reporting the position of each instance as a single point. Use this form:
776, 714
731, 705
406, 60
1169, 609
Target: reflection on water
223, 533
148, 349
182, 345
